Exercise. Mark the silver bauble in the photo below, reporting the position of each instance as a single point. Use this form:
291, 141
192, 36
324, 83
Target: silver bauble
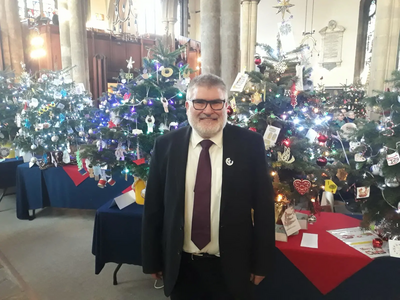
375, 169
81, 134
54, 138
33, 147
90, 131
312, 219
33, 160
392, 182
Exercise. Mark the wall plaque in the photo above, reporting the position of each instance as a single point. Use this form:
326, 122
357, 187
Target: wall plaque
332, 40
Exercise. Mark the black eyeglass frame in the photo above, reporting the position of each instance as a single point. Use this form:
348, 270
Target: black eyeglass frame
211, 102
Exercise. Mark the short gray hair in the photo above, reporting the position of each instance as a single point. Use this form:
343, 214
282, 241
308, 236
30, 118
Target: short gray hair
208, 81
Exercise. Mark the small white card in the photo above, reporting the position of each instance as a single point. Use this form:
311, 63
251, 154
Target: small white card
363, 192
394, 248
311, 135
240, 82
125, 199
271, 136
290, 222
309, 240
393, 159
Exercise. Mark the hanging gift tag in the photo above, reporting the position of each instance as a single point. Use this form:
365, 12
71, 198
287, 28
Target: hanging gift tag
363, 192
330, 186
311, 135
233, 104
359, 157
393, 159
271, 136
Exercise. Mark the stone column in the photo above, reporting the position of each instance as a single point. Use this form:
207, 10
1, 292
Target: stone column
249, 33
244, 39
6, 53
253, 33
230, 40
77, 29
64, 19
86, 15
15, 38
386, 44
210, 36
169, 18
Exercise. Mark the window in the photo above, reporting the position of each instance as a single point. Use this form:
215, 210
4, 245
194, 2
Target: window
370, 39
36, 8
365, 39
150, 17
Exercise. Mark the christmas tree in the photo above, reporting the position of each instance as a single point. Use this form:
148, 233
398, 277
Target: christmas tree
54, 113
377, 171
145, 104
9, 107
307, 158
348, 102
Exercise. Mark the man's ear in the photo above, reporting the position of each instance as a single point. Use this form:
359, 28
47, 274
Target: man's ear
187, 105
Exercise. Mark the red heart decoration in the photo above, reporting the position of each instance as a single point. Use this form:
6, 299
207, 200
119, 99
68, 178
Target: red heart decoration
302, 186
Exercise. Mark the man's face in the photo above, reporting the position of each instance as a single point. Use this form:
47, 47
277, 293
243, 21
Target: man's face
340, 117
351, 115
207, 122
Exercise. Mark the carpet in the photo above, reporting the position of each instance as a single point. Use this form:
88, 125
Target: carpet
51, 255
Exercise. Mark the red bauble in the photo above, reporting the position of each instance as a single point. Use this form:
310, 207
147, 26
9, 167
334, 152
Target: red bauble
253, 129
257, 61
229, 110
322, 138
322, 161
377, 243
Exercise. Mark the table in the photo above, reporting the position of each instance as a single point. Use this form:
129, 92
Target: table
8, 173
117, 236
38, 188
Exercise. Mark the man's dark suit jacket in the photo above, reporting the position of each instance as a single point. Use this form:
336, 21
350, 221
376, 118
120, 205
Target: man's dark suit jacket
244, 248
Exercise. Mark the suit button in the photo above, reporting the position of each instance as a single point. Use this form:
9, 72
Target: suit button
181, 228
222, 226
179, 252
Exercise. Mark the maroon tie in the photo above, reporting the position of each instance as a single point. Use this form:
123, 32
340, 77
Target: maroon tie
201, 222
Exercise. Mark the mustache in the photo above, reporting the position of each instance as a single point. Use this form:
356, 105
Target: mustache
208, 116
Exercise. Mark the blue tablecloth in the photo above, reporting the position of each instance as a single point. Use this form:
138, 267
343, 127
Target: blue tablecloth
117, 235
8, 172
53, 187
117, 238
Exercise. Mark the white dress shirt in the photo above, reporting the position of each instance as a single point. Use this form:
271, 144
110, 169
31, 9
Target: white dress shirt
216, 185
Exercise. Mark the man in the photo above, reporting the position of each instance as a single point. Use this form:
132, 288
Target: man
198, 233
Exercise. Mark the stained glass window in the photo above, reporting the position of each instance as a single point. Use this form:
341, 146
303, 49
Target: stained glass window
370, 34
36, 8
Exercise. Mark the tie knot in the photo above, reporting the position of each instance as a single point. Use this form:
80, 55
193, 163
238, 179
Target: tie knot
206, 144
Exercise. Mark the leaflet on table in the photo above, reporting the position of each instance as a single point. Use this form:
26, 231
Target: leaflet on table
361, 240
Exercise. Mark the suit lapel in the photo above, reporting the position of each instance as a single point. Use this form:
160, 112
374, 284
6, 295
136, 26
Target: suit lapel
180, 153
228, 160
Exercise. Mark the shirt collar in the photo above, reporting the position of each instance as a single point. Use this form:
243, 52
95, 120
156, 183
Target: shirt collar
196, 139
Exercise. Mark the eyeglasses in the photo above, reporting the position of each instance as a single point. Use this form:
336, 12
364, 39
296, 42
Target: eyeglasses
200, 104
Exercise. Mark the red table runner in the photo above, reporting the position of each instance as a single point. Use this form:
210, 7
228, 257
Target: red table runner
333, 261
73, 173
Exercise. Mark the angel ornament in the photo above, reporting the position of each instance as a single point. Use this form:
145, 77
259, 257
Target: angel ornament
285, 156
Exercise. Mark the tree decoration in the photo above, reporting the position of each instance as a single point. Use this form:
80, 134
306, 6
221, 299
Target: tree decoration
322, 161
302, 186
342, 174
286, 157
283, 7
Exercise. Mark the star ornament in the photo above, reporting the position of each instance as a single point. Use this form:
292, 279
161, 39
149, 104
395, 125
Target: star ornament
283, 7
130, 63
